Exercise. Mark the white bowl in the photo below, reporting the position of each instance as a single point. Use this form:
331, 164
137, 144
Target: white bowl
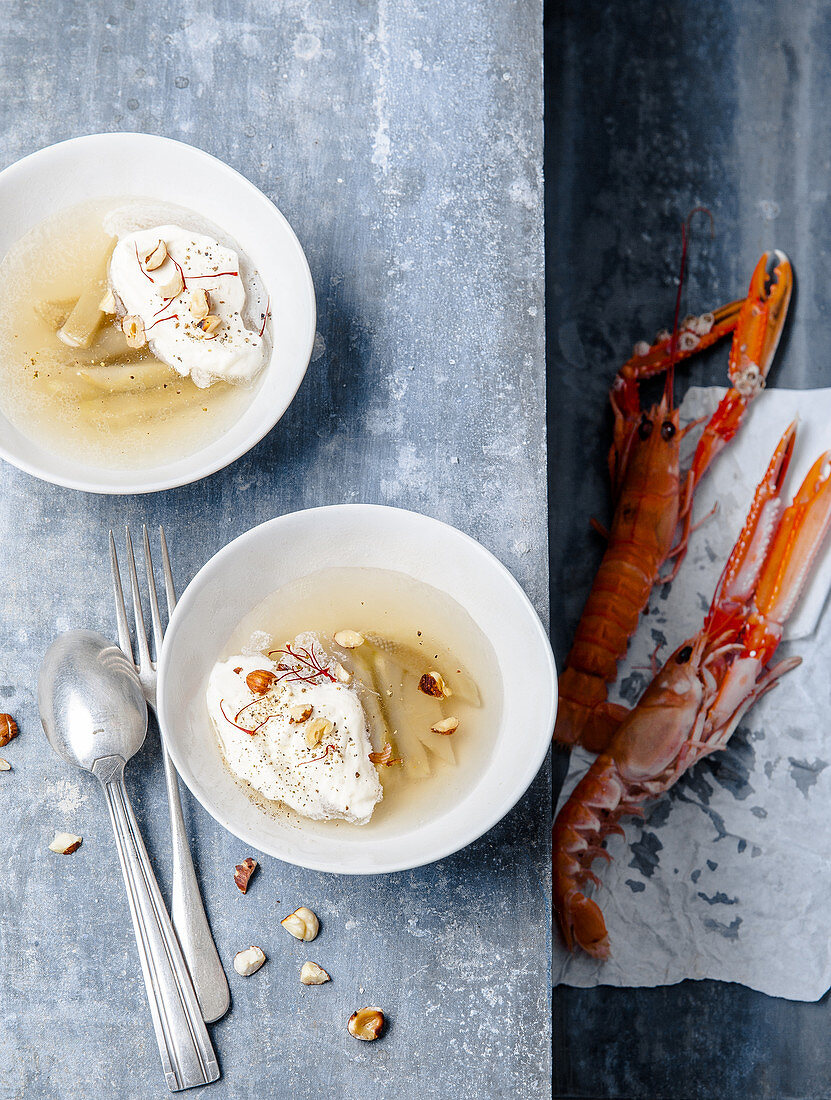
241, 575
144, 166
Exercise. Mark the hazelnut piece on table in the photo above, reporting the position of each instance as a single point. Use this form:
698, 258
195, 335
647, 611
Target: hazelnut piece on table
8, 728
65, 844
249, 961
312, 974
5, 766
302, 924
366, 1023
243, 872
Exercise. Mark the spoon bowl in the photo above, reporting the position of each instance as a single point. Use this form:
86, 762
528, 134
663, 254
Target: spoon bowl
90, 700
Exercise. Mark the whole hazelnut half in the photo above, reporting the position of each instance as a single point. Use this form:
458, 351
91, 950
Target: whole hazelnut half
366, 1023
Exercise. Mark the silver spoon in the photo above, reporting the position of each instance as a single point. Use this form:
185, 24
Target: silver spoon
94, 716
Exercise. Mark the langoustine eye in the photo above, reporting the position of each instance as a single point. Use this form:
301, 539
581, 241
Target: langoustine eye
667, 430
683, 655
645, 427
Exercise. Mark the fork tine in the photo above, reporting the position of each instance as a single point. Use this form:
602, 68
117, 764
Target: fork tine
158, 633
141, 630
169, 587
120, 609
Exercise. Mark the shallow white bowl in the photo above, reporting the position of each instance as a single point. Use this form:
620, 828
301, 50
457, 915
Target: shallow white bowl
241, 575
144, 166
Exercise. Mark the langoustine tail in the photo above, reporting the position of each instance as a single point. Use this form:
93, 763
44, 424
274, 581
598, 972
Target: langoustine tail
585, 819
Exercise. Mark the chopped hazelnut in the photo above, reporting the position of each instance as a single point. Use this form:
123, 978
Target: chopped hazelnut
302, 924
8, 729
133, 328
366, 1023
301, 712
209, 324
243, 872
249, 961
317, 730
199, 305
312, 974
446, 726
384, 756
5, 766
107, 303
432, 683
173, 287
349, 639
156, 256
65, 844
260, 680
343, 674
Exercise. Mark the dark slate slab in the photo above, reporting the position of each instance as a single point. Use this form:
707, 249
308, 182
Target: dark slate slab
653, 109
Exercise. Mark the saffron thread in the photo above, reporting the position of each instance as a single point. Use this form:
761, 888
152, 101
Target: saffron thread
315, 759
234, 722
307, 660
265, 317
170, 317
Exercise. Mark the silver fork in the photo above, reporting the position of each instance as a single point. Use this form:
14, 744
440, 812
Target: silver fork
188, 912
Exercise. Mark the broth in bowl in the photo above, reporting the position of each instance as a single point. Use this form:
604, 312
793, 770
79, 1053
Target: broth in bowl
132, 334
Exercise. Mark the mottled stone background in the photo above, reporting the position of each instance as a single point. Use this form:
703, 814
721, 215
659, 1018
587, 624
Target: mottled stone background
652, 109
403, 141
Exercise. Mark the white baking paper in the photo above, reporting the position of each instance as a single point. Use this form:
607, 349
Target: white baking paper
729, 875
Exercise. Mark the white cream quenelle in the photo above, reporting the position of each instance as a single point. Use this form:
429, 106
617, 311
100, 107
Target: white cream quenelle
189, 297
309, 746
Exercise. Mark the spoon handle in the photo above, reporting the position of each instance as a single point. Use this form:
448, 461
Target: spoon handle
187, 1056
189, 917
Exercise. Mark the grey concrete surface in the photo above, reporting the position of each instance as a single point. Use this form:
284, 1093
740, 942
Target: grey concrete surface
654, 108
404, 143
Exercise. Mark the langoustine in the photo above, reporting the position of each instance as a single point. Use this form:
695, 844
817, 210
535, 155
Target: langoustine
652, 497
697, 699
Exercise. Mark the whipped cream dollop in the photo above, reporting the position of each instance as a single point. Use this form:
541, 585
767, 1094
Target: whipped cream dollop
169, 302
333, 778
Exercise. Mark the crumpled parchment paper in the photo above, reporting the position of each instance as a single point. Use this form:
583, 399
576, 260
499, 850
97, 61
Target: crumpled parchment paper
729, 875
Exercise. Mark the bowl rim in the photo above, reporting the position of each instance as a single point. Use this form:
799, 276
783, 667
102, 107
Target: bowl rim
138, 486
482, 824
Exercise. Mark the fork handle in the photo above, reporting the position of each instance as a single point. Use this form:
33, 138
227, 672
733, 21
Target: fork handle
189, 915
187, 1056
